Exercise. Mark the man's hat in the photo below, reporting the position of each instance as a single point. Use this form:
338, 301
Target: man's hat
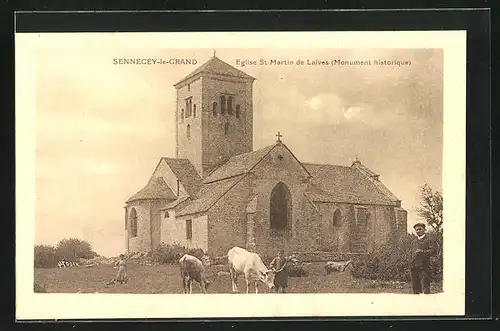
419, 224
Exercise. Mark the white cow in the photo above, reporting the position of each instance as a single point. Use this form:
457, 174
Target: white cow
192, 269
336, 266
249, 264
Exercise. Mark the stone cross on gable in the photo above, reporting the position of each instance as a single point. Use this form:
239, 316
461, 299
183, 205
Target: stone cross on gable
279, 136
214, 52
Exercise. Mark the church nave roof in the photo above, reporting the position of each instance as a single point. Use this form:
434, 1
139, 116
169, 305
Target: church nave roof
185, 173
334, 183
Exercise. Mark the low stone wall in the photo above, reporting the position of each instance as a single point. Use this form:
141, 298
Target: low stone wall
326, 256
302, 257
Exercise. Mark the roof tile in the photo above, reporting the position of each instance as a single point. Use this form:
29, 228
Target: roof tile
238, 165
156, 188
208, 195
186, 173
335, 183
219, 67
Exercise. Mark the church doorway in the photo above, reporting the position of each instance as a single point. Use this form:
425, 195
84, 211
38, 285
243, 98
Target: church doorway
280, 215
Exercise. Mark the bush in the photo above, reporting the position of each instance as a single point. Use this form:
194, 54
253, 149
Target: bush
70, 250
45, 256
73, 249
391, 262
170, 254
37, 288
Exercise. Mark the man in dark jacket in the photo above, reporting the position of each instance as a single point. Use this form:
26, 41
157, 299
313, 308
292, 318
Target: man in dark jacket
422, 249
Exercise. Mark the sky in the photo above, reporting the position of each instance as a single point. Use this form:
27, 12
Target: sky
101, 128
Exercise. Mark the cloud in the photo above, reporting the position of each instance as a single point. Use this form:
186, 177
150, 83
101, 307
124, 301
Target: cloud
353, 113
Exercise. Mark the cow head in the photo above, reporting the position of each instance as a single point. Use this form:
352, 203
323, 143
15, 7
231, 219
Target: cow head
267, 277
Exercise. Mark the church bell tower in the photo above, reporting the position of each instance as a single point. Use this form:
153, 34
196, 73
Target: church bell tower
214, 115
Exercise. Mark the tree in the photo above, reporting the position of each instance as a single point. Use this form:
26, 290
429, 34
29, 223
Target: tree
431, 207
73, 248
45, 256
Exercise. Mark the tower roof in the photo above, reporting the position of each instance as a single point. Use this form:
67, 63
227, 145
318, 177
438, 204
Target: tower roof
218, 67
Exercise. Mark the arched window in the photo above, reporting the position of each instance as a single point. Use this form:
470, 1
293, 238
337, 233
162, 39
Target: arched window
188, 131
189, 87
214, 108
133, 223
194, 110
230, 105
337, 218
226, 128
182, 114
281, 208
189, 107
222, 105
167, 215
237, 111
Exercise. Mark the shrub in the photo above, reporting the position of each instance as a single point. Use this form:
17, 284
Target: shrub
37, 288
73, 249
170, 254
391, 262
45, 256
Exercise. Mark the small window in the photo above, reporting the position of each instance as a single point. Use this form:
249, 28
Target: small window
133, 223
214, 108
189, 107
194, 110
237, 111
361, 216
189, 229
182, 114
189, 87
167, 215
230, 105
226, 128
222, 105
188, 131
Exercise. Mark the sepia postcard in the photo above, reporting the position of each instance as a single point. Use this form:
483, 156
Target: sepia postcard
221, 175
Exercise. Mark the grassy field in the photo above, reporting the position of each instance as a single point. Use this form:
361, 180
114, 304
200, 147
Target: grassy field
166, 279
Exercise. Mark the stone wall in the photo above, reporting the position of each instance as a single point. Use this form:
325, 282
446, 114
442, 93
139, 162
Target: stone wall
174, 230
227, 220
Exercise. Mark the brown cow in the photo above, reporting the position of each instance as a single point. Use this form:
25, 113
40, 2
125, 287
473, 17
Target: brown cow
192, 269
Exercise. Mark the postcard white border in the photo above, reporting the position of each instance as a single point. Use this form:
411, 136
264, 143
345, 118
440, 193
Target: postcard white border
84, 306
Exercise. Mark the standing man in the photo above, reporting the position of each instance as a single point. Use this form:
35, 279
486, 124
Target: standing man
422, 249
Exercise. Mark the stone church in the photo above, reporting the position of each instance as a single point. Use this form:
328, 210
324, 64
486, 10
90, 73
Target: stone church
218, 192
